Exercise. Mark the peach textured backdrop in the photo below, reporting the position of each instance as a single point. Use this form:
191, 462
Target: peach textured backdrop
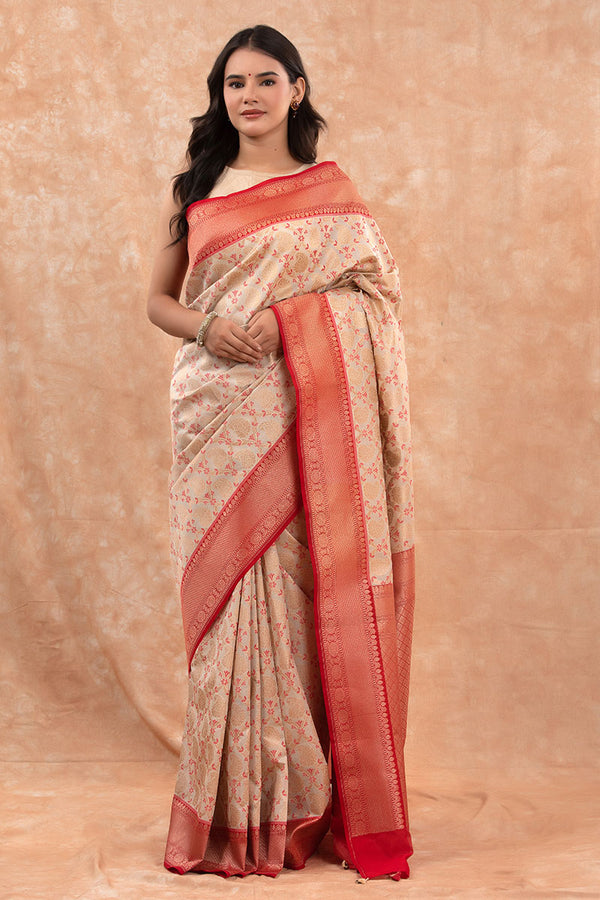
472, 129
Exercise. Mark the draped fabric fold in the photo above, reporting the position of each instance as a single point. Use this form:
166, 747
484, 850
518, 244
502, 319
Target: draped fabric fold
292, 517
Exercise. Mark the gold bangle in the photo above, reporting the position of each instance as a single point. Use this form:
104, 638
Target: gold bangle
204, 328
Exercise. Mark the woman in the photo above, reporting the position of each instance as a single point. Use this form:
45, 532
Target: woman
291, 492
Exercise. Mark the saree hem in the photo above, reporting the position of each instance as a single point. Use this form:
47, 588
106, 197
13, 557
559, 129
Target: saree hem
196, 845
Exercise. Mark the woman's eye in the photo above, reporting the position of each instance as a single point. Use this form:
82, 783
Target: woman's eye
268, 82
235, 84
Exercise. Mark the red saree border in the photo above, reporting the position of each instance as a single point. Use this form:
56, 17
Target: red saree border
256, 850
321, 190
254, 516
273, 180
366, 762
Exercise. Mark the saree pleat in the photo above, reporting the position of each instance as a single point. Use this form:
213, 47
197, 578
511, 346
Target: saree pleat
253, 779
291, 511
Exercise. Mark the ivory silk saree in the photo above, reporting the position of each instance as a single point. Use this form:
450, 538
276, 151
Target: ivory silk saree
292, 512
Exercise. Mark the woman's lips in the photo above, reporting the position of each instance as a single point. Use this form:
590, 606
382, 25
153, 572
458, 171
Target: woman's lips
253, 114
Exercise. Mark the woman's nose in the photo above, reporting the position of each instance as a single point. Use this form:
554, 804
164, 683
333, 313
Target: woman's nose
249, 93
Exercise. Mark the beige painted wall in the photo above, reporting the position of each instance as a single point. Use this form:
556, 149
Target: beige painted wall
472, 130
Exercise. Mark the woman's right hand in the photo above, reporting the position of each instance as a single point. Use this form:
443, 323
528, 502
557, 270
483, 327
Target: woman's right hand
227, 340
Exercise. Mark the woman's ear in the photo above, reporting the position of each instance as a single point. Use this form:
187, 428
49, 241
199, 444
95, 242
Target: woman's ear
299, 88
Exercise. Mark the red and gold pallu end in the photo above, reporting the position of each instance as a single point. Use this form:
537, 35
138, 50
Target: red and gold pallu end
253, 517
358, 635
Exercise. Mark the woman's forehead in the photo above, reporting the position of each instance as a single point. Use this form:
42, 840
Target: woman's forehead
247, 62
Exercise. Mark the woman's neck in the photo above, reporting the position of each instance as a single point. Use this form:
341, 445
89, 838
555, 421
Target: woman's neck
264, 158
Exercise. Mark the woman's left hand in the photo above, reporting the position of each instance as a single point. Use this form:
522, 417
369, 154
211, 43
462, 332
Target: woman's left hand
264, 328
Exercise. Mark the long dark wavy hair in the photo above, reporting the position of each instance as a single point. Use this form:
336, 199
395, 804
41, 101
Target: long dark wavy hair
214, 142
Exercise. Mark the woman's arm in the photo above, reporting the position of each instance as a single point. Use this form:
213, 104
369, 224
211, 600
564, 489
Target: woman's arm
224, 338
170, 265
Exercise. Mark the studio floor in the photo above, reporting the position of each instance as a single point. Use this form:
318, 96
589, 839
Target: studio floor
96, 830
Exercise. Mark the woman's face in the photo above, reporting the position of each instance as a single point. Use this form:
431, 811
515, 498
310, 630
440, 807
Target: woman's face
258, 93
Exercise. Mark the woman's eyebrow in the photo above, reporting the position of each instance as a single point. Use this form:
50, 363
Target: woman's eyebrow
260, 75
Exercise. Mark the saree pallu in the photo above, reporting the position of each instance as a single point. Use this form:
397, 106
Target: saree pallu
292, 527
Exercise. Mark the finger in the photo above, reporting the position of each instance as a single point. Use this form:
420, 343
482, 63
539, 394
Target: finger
238, 341
235, 356
239, 351
259, 320
245, 338
249, 350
